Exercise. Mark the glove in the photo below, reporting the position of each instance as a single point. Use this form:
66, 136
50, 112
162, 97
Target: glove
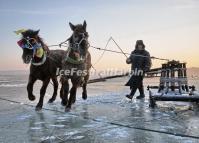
128, 60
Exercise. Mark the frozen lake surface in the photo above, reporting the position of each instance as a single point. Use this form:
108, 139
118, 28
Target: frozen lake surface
105, 117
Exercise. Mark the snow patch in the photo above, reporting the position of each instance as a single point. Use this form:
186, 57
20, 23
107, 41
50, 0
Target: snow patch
116, 133
35, 128
58, 126
39, 123
77, 137
48, 138
71, 133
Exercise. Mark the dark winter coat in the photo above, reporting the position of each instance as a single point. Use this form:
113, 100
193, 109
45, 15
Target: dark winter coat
138, 63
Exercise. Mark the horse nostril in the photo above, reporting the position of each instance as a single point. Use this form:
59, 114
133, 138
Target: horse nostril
27, 58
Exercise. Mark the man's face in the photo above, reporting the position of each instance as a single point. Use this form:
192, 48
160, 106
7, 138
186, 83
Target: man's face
140, 47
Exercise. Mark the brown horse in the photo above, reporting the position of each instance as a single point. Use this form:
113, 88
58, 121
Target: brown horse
44, 64
76, 64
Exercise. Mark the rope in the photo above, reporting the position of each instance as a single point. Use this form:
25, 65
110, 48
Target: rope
98, 48
119, 47
152, 57
108, 122
60, 45
57, 45
121, 52
124, 53
96, 71
103, 52
105, 49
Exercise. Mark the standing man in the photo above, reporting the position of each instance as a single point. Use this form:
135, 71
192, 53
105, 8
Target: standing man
140, 61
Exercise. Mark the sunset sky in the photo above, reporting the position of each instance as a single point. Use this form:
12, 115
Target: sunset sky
169, 28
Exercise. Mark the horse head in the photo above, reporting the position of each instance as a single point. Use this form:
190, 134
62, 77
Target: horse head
78, 41
30, 43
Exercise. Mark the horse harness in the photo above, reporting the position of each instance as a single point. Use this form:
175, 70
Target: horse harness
76, 47
37, 50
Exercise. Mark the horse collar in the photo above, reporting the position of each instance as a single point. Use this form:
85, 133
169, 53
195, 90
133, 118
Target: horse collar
40, 63
72, 61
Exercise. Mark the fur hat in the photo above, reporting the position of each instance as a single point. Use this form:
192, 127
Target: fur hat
139, 42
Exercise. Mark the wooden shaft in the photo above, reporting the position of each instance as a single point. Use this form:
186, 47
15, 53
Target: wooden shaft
184, 98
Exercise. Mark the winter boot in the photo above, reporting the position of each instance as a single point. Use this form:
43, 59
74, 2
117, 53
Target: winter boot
140, 96
130, 96
141, 90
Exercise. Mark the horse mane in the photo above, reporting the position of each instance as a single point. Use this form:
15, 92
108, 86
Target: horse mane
41, 40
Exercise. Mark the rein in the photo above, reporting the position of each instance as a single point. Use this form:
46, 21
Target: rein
30, 46
77, 44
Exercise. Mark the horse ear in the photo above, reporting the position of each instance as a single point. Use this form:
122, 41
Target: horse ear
36, 32
84, 25
72, 26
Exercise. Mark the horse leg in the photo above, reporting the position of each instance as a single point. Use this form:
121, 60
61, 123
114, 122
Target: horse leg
55, 84
84, 93
42, 94
31, 82
72, 97
64, 92
61, 92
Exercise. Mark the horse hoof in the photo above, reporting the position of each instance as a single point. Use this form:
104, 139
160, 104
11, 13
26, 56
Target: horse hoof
84, 96
31, 98
38, 108
67, 109
63, 103
73, 101
51, 100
